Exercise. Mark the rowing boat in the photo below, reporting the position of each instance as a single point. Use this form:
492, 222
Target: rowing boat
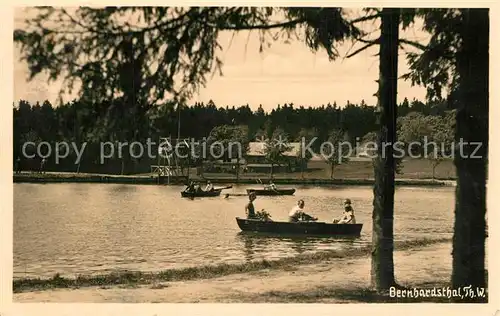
303, 228
214, 192
201, 193
272, 191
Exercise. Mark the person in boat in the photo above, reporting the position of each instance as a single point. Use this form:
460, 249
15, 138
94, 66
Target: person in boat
272, 186
209, 187
348, 215
298, 214
190, 187
249, 208
197, 187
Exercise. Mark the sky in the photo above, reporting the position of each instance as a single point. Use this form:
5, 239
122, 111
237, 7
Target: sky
283, 73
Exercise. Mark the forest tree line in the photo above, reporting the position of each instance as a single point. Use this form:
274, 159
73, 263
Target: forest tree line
76, 122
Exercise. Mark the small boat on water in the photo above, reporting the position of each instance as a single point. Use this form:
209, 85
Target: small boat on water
212, 193
226, 195
269, 192
304, 228
201, 193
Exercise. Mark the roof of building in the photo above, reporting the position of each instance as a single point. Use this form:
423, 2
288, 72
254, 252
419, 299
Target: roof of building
264, 165
258, 149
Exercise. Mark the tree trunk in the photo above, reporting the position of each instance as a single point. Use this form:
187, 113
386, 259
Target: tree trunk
382, 270
472, 126
123, 165
238, 171
434, 165
302, 169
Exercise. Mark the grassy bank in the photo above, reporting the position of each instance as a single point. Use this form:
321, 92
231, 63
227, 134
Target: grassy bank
55, 177
326, 182
200, 272
336, 281
414, 173
216, 179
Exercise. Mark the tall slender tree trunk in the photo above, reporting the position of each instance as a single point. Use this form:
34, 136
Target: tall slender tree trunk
238, 171
382, 270
302, 165
123, 166
472, 126
434, 165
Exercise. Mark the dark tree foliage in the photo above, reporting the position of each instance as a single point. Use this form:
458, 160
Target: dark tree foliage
145, 55
75, 122
132, 60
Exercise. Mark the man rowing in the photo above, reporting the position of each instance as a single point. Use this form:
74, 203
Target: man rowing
298, 214
271, 186
209, 187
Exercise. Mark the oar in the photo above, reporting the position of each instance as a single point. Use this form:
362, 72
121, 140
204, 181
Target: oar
224, 188
276, 191
265, 186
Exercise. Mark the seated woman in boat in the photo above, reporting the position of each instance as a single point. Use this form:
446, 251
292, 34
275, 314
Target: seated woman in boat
348, 215
249, 208
209, 187
298, 214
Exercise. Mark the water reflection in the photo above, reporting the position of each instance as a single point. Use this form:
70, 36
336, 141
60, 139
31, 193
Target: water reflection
114, 188
252, 244
101, 225
259, 245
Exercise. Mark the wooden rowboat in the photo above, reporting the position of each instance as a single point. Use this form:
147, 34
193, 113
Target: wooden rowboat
201, 193
302, 228
271, 191
214, 192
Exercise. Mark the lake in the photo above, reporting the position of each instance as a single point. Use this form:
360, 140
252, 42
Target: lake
80, 228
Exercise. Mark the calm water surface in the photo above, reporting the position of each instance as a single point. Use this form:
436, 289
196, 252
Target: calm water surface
79, 228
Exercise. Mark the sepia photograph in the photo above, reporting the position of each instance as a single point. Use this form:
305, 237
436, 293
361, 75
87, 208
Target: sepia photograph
248, 154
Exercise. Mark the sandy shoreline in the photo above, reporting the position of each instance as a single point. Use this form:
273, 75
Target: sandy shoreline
329, 282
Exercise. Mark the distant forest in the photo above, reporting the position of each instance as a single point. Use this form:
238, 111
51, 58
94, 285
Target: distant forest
79, 122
